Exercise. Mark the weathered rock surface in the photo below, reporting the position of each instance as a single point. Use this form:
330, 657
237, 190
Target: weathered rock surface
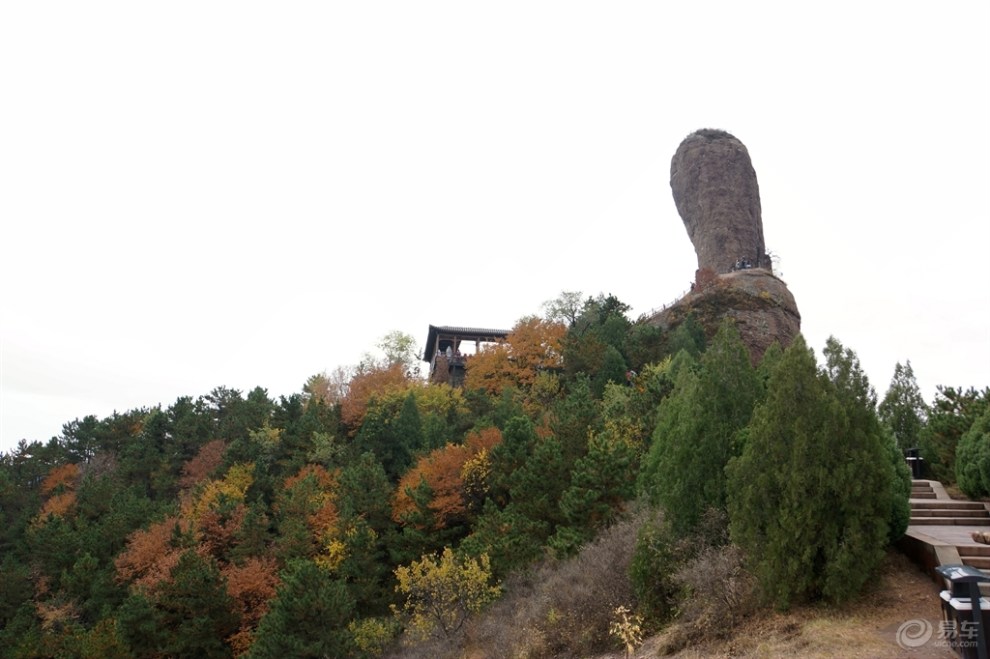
718, 197
760, 304
715, 189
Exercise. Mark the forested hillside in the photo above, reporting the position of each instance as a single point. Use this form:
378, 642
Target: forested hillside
374, 510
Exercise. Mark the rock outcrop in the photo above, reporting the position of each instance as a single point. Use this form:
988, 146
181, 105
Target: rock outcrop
718, 198
715, 189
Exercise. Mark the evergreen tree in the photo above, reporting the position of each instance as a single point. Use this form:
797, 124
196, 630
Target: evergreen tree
688, 336
392, 434
602, 481
810, 495
139, 626
518, 440
699, 431
903, 409
193, 605
953, 412
308, 617
859, 402
973, 458
510, 539
536, 487
574, 418
613, 369
365, 502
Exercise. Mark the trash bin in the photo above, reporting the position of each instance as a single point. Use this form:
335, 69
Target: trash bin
914, 462
965, 612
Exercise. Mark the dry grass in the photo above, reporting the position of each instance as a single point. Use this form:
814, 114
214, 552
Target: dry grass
563, 608
863, 629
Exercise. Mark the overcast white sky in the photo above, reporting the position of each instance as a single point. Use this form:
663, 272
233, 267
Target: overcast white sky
195, 194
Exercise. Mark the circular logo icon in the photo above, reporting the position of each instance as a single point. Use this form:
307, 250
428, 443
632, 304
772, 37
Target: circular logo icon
914, 633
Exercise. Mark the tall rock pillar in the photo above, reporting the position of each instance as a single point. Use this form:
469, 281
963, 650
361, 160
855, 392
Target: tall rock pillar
718, 198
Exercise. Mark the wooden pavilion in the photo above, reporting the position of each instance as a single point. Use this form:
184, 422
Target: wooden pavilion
443, 350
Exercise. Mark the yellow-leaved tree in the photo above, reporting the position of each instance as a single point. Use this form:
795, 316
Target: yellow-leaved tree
442, 592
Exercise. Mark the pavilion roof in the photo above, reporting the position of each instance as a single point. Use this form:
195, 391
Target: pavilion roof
468, 333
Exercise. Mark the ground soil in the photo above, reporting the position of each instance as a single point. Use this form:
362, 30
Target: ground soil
866, 628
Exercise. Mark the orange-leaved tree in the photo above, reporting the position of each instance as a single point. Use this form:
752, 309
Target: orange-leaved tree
375, 381
150, 554
60, 487
252, 585
533, 346
445, 471
207, 460
308, 517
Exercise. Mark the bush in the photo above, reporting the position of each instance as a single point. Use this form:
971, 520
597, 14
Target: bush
812, 494
973, 458
718, 593
659, 552
563, 608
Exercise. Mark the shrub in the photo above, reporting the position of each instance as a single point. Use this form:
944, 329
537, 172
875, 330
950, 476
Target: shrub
658, 553
973, 458
811, 495
565, 607
717, 594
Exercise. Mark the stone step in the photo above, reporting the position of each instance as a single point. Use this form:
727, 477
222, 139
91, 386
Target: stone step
945, 504
981, 562
950, 521
974, 550
923, 495
949, 512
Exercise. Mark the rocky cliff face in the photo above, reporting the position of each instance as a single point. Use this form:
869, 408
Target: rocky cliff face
718, 198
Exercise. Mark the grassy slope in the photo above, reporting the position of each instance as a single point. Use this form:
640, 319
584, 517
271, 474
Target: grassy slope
864, 628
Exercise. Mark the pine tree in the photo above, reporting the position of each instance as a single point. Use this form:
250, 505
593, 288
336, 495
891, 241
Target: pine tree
903, 409
699, 431
196, 610
308, 617
810, 495
613, 369
953, 412
973, 458
602, 481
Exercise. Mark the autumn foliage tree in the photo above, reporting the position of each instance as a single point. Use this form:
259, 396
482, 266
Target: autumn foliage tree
207, 460
152, 553
366, 384
440, 593
60, 486
443, 470
252, 585
533, 345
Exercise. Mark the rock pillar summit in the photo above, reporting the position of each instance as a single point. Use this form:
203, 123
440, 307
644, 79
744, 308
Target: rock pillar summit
718, 198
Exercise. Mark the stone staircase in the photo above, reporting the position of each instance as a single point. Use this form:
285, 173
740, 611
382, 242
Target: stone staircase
941, 528
928, 510
977, 556
949, 513
922, 490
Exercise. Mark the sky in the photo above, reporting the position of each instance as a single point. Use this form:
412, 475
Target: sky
241, 194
